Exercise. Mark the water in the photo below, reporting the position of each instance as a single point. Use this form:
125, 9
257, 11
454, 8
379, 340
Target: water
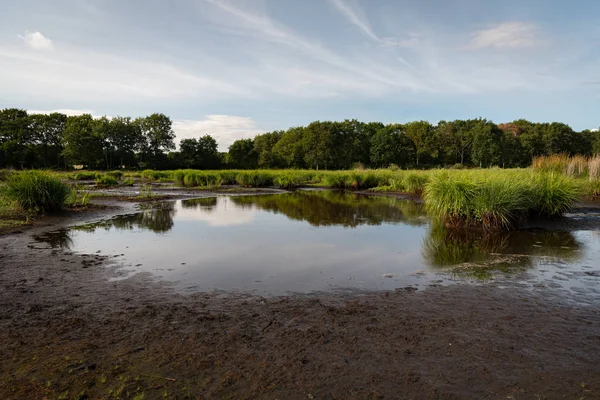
311, 241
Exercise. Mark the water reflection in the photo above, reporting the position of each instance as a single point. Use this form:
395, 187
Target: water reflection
329, 208
258, 243
449, 247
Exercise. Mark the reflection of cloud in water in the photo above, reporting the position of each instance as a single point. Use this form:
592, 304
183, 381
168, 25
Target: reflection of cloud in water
223, 213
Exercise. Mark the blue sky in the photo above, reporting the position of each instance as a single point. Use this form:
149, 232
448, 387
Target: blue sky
233, 68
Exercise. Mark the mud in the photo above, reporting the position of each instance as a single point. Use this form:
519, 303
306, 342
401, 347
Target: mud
69, 328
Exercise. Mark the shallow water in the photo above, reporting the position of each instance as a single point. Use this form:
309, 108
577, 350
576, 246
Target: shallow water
310, 241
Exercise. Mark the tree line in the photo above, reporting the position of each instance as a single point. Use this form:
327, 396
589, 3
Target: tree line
59, 141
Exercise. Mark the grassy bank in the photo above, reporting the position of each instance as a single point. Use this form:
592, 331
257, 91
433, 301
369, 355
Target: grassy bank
491, 198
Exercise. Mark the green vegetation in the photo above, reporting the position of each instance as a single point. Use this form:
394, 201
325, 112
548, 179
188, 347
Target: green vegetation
84, 176
57, 141
37, 190
106, 180
499, 198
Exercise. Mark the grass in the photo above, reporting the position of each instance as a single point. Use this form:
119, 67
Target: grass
106, 180
37, 191
498, 198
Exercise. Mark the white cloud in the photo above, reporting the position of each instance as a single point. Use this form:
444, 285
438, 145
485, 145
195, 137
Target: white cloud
225, 213
224, 128
516, 35
37, 41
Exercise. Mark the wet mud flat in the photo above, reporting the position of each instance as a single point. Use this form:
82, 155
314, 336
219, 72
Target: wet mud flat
68, 329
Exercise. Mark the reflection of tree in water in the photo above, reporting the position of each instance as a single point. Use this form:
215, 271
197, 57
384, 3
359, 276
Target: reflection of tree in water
502, 250
154, 217
204, 204
325, 208
61, 238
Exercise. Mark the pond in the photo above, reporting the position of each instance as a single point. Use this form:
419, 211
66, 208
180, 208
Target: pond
312, 241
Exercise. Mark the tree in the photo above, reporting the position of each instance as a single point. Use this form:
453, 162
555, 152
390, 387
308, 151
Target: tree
263, 145
200, 153
82, 141
47, 131
391, 146
487, 139
242, 155
122, 140
458, 137
318, 144
158, 136
289, 148
15, 137
423, 137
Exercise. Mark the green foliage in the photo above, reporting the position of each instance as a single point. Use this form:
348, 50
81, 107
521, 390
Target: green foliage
151, 175
37, 190
116, 174
78, 197
498, 199
5, 174
106, 180
84, 176
553, 194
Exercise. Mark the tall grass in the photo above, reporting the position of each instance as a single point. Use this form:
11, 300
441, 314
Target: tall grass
576, 166
499, 199
37, 190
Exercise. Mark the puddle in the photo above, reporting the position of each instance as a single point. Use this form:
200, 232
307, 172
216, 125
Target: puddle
310, 241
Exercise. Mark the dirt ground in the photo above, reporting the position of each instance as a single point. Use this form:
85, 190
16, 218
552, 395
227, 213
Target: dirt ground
68, 330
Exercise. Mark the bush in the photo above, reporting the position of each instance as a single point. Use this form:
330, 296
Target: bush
115, 174
37, 190
151, 175
553, 194
84, 176
106, 180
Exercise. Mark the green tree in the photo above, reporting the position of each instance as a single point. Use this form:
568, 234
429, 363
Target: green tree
289, 148
15, 137
242, 155
157, 137
123, 138
83, 142
318, 144
200, 153
391, 146
263, 145
47, 131
423, 136
487, 139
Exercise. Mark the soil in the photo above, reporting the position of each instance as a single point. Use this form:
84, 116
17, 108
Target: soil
70, 328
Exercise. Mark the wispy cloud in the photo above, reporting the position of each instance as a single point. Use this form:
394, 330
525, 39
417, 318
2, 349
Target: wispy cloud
37, 41
352, 15
516, 35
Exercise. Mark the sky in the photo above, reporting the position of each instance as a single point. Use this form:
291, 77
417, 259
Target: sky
235, 68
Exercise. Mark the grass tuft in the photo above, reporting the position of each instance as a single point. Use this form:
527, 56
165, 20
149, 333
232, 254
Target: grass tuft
37, 191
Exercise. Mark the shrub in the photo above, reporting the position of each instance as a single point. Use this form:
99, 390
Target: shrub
84, 176
115, 174
106, 180
37, 190
151, 175
553, 194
